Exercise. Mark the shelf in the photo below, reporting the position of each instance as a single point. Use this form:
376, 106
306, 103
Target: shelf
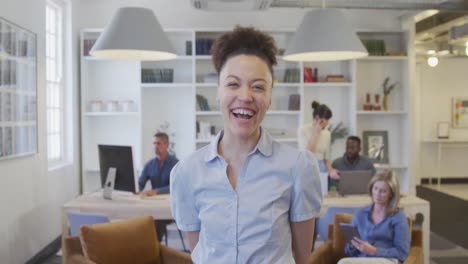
208, 84
92, 58
203, 57
9, 89
19, 59
384, 58
328, 84
17, 123
453, 141
383, 113
208, 113
18, 155
111, 113
202, 141
184, 57
158, 85
292, 140
283, 84
390, 166
283, 112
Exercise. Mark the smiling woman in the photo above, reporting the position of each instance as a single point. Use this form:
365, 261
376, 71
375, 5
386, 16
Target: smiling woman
246, 198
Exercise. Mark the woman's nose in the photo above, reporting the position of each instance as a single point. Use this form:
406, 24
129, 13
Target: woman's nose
245, 93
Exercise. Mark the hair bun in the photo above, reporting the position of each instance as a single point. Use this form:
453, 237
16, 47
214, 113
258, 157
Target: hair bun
315, 104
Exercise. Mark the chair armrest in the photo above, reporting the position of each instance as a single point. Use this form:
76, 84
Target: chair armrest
416, 238
172, 256
74, 252
415, 256
73, 246
323, 254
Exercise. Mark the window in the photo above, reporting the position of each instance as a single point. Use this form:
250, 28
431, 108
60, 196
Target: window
57, 83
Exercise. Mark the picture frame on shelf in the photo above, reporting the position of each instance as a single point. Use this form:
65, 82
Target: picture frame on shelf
18, 91
376, 145
460, 112
443, 129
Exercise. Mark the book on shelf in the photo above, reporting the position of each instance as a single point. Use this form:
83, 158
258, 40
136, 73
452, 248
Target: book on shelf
202, 103
335, 78
308, 77
203, 46
292, 75
294, 102
157, 75
87, 45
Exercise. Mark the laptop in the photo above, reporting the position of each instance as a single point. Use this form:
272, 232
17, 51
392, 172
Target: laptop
354, 182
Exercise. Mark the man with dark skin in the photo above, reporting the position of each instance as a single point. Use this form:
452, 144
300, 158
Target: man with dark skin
351, 159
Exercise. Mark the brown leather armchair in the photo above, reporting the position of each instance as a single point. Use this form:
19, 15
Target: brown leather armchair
130, 241
332, 250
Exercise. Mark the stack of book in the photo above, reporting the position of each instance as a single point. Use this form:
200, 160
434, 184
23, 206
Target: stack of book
292, 76
202, 103
157, 75
294, 102
335, 78
87, 45
310, 77
7, 73
203, 46
375, 47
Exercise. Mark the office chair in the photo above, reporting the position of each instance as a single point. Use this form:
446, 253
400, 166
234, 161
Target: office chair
323, 222
77, 219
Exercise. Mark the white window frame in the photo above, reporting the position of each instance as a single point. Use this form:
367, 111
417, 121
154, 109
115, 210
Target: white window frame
62, 61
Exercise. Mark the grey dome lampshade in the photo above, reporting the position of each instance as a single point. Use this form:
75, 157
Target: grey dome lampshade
134, 33
324, 35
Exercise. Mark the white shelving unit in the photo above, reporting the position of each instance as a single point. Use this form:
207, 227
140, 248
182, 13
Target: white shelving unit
175, 101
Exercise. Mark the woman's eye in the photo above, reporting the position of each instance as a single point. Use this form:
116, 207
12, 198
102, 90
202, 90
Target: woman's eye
259, 87
232, 85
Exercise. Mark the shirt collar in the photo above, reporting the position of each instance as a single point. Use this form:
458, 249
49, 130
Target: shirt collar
345, 159
264, 145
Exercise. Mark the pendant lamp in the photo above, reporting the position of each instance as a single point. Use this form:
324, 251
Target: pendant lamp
134, 33
324, 35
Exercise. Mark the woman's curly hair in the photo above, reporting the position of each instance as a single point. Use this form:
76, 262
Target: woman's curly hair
247, 41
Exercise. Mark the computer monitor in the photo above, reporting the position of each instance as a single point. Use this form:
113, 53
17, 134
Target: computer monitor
120, 158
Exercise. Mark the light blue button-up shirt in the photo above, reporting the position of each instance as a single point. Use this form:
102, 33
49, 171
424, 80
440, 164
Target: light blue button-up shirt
251, 224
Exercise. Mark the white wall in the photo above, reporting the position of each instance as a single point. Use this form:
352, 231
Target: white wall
30, 196
438, 86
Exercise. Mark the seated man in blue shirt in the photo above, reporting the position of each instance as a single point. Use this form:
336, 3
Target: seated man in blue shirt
351, 159
157, 171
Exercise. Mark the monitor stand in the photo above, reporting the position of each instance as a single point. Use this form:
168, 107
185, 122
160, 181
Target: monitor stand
109, 185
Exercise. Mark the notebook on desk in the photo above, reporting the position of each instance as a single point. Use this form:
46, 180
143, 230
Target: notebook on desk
354, 182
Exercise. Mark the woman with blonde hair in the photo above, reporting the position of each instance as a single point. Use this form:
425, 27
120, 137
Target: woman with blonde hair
383, 226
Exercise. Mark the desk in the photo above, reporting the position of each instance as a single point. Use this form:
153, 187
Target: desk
122, 206
127, 206
411, 206
441, 143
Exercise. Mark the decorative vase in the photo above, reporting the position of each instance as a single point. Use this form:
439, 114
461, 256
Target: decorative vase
385, 102
368, 105
377, 106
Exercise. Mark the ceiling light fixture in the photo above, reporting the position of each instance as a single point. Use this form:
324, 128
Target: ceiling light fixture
432, 61
134, 33
324, 35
